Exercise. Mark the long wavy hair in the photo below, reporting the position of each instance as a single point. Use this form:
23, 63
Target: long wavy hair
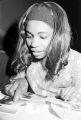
58, 49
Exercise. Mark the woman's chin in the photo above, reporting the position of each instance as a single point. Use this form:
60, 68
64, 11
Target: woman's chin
39, 57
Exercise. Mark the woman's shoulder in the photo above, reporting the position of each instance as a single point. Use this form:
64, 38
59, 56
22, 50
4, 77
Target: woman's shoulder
75, 58
75, 53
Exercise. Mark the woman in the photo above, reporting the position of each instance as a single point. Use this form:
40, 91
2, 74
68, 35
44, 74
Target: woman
44, 60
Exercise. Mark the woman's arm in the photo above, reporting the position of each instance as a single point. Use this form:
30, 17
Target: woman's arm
17, 87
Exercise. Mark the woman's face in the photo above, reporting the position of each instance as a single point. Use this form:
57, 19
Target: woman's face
39, 35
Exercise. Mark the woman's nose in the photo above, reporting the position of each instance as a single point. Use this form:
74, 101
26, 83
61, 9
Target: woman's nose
34, 42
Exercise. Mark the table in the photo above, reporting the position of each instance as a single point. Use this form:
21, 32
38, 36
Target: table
38, 108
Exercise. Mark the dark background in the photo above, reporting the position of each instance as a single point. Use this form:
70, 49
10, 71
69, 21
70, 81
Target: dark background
11, 10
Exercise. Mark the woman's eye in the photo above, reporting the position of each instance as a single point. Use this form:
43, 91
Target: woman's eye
43, 37
29, 36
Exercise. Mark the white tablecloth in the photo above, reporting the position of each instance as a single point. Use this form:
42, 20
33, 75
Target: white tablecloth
38, 109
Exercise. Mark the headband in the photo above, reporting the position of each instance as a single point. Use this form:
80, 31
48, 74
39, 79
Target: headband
41, 13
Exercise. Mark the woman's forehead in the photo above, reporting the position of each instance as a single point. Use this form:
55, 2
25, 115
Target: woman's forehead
38, 26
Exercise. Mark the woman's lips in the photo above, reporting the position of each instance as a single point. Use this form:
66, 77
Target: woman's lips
37, 53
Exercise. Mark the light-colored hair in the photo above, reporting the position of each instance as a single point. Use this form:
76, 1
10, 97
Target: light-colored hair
58, 49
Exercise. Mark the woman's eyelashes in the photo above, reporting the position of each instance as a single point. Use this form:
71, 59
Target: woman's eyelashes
41, 36
29, 35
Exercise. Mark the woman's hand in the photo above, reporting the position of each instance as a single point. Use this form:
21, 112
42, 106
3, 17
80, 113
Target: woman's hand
17, 88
